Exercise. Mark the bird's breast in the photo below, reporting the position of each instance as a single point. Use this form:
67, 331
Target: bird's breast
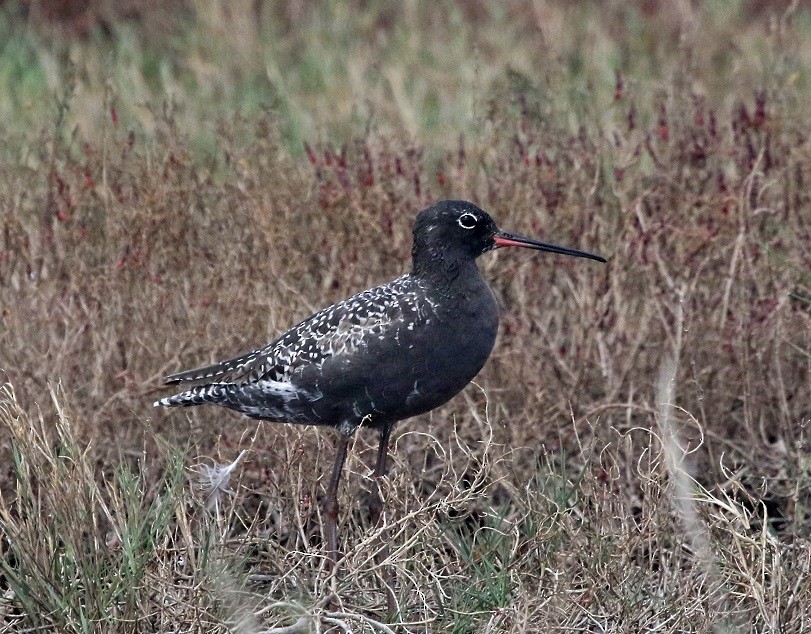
443, 353
422, 358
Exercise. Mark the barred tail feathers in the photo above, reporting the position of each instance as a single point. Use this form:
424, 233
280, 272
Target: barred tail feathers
263, 399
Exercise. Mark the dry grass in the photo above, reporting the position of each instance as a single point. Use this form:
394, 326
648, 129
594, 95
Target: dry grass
633, 458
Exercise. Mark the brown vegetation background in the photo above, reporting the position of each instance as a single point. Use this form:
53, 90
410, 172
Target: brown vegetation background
128, 254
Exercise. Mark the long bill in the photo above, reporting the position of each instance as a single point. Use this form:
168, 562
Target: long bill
503, 239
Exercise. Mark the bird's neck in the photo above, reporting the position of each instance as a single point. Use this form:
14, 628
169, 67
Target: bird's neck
444, 272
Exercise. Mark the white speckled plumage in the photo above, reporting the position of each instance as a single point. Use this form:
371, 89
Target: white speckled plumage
341, 330
338, 329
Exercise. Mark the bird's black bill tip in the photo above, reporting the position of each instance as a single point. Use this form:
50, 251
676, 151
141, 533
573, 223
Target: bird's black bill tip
503, 239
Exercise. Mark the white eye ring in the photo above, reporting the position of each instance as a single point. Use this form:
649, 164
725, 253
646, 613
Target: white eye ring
467, 221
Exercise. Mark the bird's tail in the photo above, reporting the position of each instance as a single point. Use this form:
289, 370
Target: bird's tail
211, 393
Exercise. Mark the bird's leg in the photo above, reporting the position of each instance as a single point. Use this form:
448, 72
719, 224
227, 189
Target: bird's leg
376, 511
331, 506
376, 502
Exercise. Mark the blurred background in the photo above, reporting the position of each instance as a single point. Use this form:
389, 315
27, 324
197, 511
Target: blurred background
433, 70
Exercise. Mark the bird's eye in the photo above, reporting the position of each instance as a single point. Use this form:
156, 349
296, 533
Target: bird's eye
467, 221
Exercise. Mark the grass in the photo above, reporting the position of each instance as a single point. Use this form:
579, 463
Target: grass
635, 453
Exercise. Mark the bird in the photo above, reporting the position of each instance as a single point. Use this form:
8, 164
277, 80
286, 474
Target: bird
386, 354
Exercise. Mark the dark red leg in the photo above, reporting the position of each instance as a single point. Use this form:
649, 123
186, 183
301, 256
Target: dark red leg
376, 502
376, 510
331, 506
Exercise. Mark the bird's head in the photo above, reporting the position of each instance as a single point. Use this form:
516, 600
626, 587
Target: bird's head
456, 230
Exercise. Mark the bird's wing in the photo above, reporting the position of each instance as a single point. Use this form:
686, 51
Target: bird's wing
233, 367
338, 329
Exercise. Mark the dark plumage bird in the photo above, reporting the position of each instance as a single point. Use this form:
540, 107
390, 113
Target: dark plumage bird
381, 356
